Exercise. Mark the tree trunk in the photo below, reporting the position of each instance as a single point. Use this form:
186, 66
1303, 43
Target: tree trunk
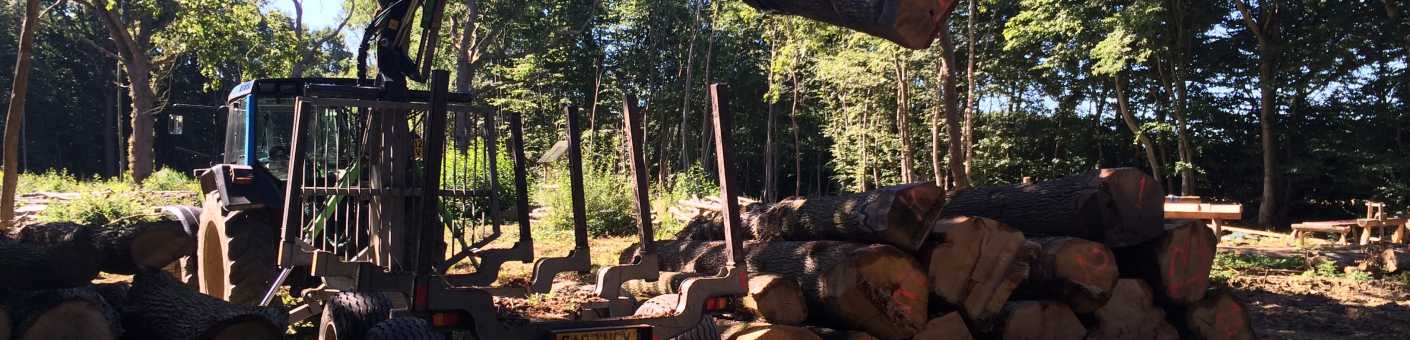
797, 145
14, 117
950, 326
1218, 316
160, 308
1176, 265
685, 91
73, 313
1117, 207
1131, 314
892, 215
953, 116
775, 299
1077, 272
770, 157
970, 95
1039, 320
1394, 260
735, 330
909, 23
903, 122
122, 249
71, 263
140, 150
975, 265
667, 282
1135, 127
874, 288
464, 74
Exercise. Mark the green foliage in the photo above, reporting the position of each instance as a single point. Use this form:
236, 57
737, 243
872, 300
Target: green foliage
112, 200
691, 183
167, 179
469, 170
1227, 265
99, 208
607, 198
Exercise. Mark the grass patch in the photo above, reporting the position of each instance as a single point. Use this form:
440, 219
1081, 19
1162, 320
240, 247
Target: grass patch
115, 200
1227, 265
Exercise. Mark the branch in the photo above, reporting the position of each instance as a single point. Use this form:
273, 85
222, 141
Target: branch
334, 33
1249, 20
104, 50
51, 7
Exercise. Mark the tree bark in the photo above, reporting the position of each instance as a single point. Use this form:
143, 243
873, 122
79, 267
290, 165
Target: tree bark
975, 265
72, 313
1135, 127
14, 116
1218, 316
950, 326
160, 308
903, 121
1266, 30
909, 23
874, 288
1176, 265
735, 330
1039, 320
1131, 314
970, 95
667, 282
953, 116
793, 120
122, 249
71, 263
1117, 207
775, 299
1077, 272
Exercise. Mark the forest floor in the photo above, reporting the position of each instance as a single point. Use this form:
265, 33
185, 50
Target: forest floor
1291, 300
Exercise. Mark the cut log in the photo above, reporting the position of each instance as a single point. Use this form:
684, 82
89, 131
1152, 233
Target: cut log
1078, 272
1394, 260
950, 326
71, 313
840, 334
123, 249
1117, 207
734, 330
1039, 320
1131, 314
1218, 316
775, 299
893, 215
67, 264
873, 288
909, 23
975, 263
1176, 265
666, 283
161, 308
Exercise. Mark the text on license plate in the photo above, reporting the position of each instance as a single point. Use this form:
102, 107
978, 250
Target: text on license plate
612, 334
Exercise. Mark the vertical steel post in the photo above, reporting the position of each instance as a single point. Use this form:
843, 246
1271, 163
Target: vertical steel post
521, 182
724, 156
632, 118
575, 177
429, 234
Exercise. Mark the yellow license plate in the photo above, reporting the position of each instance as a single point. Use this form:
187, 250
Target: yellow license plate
610, 334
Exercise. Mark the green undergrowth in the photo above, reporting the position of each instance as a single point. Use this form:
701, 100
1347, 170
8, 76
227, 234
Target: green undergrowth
111, 200
1228, 265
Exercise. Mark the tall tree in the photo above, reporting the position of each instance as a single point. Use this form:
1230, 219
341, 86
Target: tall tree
307, 47
903, 120
14, 116
950, 106
1266, 30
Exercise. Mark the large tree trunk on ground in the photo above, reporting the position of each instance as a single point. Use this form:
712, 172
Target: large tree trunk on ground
123, 249
666, 283
770, 298
73, 313
892, 215
1176, 265
873, 288
909, 23
1131, 314
950, 326
1078, 272
14, 116
161, 308
1218, 316
1039, 320
1118, 207
975, 264
734, 330
71, 263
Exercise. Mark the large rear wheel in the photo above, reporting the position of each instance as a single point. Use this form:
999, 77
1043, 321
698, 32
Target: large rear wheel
235, 252
350, 315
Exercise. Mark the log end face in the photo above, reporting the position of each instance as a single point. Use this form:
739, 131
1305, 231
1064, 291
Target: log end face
1136, 206
890, 294
1218, 316
950, 326
777, 300
1084, 272
1040, 320
1184, 258
69, 320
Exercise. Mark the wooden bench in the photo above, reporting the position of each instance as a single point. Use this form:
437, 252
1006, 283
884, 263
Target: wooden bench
1194, 208
1374, 221
1344, 227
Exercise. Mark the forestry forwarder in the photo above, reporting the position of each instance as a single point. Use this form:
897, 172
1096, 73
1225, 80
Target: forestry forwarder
346, 191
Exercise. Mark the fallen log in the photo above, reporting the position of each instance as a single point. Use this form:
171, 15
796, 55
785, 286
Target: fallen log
1078, 272
873, 288
950, 326
893, 215
67, 264
775, 299
975, 264
1394, 260
1131, 314
735, 330
124, 248
1117, 207
666, 283
1218, 316
70, 313
1039, 320
1176, 265
840, 334
909, 23
160, 308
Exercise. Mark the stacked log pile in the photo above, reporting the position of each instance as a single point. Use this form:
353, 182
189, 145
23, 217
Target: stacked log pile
46, 289
1080, 257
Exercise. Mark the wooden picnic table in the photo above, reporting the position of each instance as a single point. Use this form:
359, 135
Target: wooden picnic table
1375, 219
1193, 208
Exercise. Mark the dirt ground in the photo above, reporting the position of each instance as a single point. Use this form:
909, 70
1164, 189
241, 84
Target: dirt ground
1288, 305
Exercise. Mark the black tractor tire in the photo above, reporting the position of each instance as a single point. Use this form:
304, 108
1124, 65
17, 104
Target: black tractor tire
349, 316
235, 252
404, 328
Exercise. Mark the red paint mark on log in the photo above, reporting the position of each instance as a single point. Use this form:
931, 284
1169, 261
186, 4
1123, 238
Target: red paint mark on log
1141, 193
